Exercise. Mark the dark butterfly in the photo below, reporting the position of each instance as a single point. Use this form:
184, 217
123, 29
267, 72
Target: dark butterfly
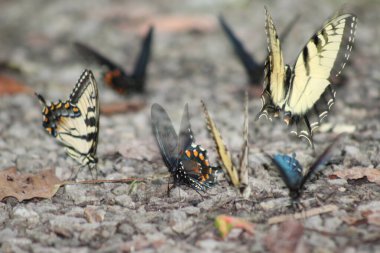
187, 162
293, 174
114, 76
75, 122
253, 69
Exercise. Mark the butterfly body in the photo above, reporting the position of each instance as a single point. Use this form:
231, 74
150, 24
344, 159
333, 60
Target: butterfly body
291, 170
304, 93
75, 122
186, 161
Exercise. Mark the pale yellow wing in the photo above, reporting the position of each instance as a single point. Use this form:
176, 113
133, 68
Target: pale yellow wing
223, 152
273, 97
79, 135
325, 55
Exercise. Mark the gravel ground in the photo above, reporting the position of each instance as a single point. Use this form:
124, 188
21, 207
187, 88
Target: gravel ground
191, 61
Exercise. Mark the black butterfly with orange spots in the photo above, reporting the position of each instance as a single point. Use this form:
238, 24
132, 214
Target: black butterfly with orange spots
187, 162
114, 76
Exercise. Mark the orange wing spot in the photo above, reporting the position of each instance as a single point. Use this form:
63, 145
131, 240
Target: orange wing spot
67, 105
203, 178
75, 109
201, 156
210, 171
111, 75
195, 152
207, 163
45, 119
188, 153
59, 105
196, 170
46, 111
206, 176
48, 129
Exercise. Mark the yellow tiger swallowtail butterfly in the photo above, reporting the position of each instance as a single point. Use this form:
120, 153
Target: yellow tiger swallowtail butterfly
75, 122
238, 176
304, 93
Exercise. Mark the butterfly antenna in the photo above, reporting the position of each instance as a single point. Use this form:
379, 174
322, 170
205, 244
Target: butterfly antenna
252, 68
92, 168
41, 99
139, 72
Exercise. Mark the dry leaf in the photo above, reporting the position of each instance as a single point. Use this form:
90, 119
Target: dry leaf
287, 238
373, 175
175, 24
225, 224
122, 107
11, 86
27, 186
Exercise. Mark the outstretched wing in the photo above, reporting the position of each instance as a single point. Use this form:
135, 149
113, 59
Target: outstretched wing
223, 152
275, 85
92, 54
321, 160
139, 72
324, 55
166, 136
253, 69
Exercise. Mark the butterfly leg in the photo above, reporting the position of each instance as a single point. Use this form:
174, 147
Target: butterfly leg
74, 172
92, 169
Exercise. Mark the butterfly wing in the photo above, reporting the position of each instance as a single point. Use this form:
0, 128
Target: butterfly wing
223, 152
166, 136
275, 75
253, 69
79, 135
92, 54
139, 72
321, 160
290, 170
243, 163
325, 55
186, 137
114, 75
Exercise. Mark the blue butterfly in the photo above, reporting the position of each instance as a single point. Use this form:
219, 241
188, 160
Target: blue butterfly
292, 172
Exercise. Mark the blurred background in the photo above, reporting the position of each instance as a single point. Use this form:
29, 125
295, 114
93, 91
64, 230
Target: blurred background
191, 60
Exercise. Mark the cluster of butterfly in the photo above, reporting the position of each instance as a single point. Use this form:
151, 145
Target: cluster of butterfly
303, 94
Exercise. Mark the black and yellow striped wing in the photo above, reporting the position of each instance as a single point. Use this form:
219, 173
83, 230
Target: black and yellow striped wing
273, 97
224, 154
75, 123
324, 56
